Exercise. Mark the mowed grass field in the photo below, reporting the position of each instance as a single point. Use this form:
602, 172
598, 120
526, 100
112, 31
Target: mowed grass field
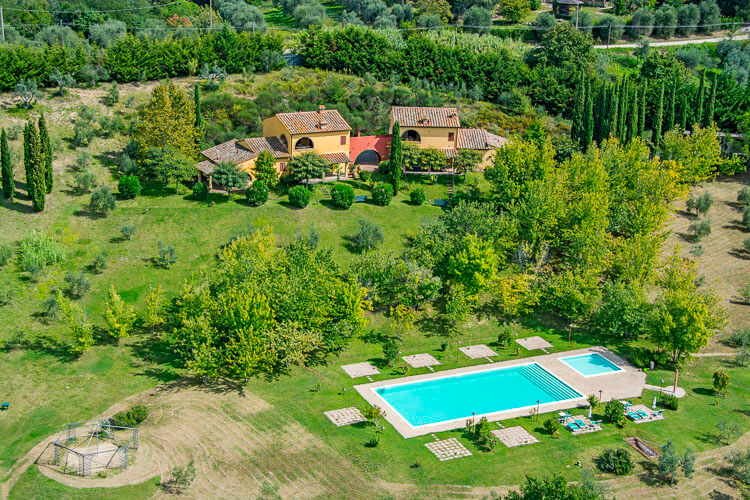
47, 388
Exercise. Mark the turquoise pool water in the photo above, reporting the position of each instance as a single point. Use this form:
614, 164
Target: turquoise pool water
489, 391
592, 364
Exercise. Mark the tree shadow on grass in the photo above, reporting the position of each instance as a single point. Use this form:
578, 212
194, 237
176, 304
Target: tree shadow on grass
740, 254
42, 344
703, 391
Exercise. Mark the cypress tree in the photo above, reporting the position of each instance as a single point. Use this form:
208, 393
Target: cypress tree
576, 126
395, 158
701, 91
683, 112
656, 138
633, 115
47, 152
671, 109
27, 163
37, 169
623, 110
6, 169
600, 114
614, 115
588, 124
198, 113
642, 113
709, 118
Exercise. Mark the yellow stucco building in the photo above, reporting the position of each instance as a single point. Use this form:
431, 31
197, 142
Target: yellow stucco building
440, 128
285, 135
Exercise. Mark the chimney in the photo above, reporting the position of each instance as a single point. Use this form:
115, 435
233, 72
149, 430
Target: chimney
321, 109
322, 122
452, 114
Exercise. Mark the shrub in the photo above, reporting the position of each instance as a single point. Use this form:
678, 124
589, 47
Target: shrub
700, 228
167, 255
84, 181
102, 201
417, 196
614, 413
299, 196
342, 195
77, 285
365, 175
367, 237
129, 187
615, 461
100, 262
743, 196
257, 193
128, 230
84, 161
551, 426
746, 217
382, 194
133, 416
200, 191
669, 401
6, 252
38, 250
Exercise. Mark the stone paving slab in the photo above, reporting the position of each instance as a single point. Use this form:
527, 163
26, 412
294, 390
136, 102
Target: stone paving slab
448, 449
532, 343
363, 369
478, 351
515, 436
420, 360
345, 416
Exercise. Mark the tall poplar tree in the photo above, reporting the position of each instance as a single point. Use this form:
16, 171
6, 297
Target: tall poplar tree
621, 127
395, 158
36, 170
6, 168
671, 107
198, 112
576, 127
709, 118
46, 152
614, 119
701, 91
633, 115
656, 137
642, 110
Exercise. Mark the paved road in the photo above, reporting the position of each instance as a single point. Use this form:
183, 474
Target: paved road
674, 42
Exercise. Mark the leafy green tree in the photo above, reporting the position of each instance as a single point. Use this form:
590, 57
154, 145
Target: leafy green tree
688, 463
102, 201
80, 329
342, 195
154, 315
118, 316
230, 176
114, 94
128, 230
62, 80
166, 165
309, 14
306, 166
623, 310
6, 168
167, 255
77, 285
669, 462
614, 413
299, 196
129, 187
214, 75
710, 15
479, 18
615, 461
700, 229
721, 382
458, 306
368, 236
198, 111
698, 153
683, 318
473, 265
27, 91
513, 10
265, 169
257, 193
572, 295
167, 122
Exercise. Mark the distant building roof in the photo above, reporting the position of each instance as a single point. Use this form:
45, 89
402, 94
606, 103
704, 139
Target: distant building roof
478, 138
309, 122
449, 152
408, 116
336, 157
206, 167
570, 2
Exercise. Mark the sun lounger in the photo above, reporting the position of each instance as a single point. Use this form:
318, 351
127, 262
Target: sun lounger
642, 414
634, 416
360, 198
658, 413
580, 423
626, 404
572, 426
4, 406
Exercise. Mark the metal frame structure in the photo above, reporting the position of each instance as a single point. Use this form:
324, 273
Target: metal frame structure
84, 447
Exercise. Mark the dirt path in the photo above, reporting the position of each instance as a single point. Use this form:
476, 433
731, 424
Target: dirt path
716, 39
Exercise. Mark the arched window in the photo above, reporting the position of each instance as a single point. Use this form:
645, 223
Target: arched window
283, 140
304, 143
411, 135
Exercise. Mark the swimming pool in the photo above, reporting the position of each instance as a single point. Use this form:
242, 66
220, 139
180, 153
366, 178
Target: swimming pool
457, 397
591, 365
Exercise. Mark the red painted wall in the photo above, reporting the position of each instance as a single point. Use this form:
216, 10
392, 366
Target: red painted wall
380, 143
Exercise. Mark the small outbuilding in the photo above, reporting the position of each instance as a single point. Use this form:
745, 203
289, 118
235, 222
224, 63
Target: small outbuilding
566, 8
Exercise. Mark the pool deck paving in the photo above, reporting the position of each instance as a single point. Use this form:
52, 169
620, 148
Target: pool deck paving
345, 416
364, 369
514, 436
533, 343
478, 351
448, 449
623, 384
421, 360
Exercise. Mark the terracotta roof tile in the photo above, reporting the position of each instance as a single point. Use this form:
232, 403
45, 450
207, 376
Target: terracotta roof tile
271, 144
206, 166
449, 152
308, 122
477, 138
336, 157
229, 151
408, 116
496, 141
